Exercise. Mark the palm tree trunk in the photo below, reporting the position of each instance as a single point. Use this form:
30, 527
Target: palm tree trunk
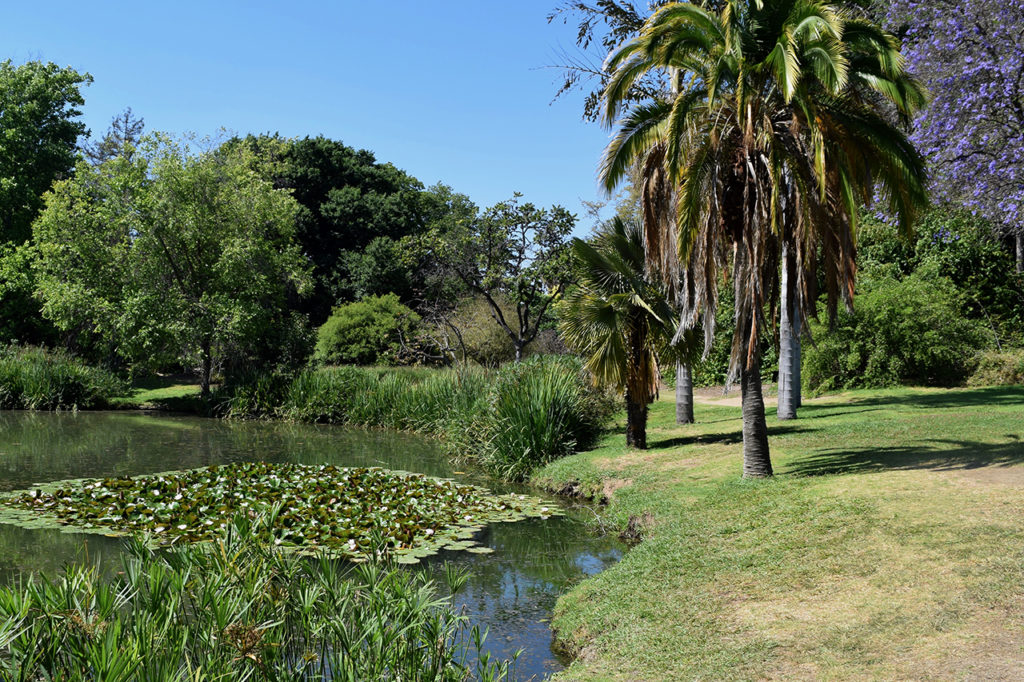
1020, 249
797, 356
684, 394
787, 399
636, 423
757, 462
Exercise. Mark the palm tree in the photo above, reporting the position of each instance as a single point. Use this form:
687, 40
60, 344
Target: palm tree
619, 320
777, 133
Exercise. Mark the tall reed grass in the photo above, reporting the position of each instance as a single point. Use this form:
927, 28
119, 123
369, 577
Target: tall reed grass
510, 420
39, 379
239, 609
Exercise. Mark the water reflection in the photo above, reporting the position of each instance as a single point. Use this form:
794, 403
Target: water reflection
511, 591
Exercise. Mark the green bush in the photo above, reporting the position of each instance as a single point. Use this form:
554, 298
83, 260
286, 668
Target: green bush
541, 409
365, 332
909, 331
39, 379
998, 368
239, 609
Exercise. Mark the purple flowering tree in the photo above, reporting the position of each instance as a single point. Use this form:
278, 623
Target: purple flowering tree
971, 57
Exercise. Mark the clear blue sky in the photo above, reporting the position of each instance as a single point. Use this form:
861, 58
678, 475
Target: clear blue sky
450, 91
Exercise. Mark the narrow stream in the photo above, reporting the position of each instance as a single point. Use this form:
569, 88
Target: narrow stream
511, 591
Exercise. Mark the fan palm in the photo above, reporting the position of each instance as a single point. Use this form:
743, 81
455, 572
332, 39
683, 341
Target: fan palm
619, 320
777, 132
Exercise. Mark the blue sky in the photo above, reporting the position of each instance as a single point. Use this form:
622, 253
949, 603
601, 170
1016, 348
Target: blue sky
456, 92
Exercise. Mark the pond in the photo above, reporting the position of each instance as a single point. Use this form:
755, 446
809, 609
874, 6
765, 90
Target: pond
511, 591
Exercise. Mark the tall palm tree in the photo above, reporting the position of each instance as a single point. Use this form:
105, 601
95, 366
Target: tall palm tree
619, 319
780, 123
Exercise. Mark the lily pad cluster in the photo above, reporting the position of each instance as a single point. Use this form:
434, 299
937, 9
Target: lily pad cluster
352, 511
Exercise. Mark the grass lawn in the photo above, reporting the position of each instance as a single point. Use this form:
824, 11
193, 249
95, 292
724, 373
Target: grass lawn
890, 544
175, 393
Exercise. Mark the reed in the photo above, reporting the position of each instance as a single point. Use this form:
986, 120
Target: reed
35, 378
239, 609
510, 420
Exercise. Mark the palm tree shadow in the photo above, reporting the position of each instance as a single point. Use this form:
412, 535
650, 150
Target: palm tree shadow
728, 438
937, 455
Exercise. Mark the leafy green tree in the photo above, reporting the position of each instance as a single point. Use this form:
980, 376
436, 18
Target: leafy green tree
365, 332
171, 255
354, 213
619, 320
512, 252
775, 124
39, 108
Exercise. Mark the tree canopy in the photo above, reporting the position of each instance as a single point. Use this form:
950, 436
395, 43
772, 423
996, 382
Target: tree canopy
171, 255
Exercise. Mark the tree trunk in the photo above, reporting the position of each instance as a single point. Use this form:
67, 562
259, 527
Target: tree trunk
636, 423
798, 397
756, 460
1020, 249
787, 399
519, 351
207, 370
684, 394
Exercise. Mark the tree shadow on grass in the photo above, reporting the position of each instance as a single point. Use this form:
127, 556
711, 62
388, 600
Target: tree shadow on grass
936, 454
729, 438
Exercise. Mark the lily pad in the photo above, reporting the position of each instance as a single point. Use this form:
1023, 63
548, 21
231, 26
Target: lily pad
351, 511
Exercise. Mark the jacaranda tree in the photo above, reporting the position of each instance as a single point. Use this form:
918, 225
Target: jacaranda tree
773, 132
971, 56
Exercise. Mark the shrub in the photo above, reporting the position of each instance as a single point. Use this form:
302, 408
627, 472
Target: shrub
542, 409
998, 368
39, 379
901, 331
364, 332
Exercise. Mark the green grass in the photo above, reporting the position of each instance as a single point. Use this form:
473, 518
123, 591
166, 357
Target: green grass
890, 545
175, 393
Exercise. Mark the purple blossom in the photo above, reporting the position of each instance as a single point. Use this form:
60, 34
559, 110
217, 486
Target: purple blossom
971, 56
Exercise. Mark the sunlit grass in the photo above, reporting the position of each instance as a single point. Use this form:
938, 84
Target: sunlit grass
889, 545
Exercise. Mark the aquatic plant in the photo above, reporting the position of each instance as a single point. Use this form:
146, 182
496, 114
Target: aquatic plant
39, 379
525, 414
239, 609
542, 409
309, 507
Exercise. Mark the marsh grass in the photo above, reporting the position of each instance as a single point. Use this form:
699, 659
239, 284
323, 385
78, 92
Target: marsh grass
510, 420
35, 378
890, 545
238, 609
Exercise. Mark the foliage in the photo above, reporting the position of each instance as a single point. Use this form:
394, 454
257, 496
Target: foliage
39, 108
121, 139
542, 409
604, 24
970, 55
40, 379
238, 609
512, 252
354, 212
619, 320
524, 414
998, 368
353, 512
365, 332
909, 331
171, 256
961, 248
720, 174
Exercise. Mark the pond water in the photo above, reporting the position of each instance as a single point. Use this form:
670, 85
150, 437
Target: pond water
510, 591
